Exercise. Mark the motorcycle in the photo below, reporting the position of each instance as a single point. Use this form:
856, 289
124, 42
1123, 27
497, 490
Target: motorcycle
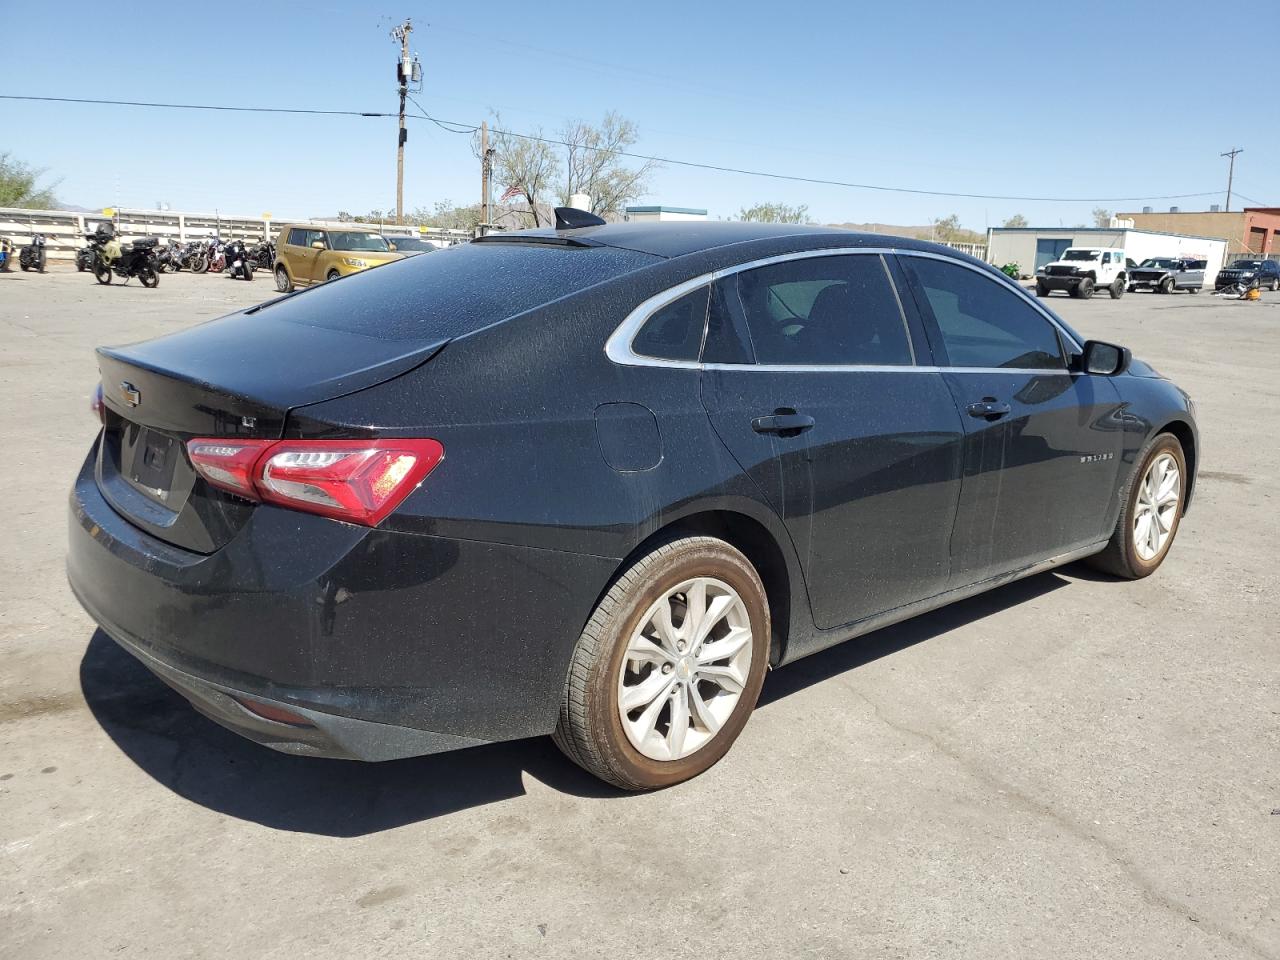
266, 255
33, 255
135, 259
167, 257
239, 263
84, 259
198, 262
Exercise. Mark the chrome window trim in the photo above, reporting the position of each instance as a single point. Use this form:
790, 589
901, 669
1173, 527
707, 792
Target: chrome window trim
618, 347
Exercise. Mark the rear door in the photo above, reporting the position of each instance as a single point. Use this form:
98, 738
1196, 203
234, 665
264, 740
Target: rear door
854, 443
1042, 443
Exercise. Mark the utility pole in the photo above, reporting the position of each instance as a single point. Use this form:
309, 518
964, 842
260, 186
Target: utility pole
1231, 172
404, 71
486, 174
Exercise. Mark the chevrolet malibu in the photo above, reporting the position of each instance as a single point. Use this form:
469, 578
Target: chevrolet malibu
595, 480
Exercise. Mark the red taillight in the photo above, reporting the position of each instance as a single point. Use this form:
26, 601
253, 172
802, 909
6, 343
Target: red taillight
96, 404
360, 481
228, 463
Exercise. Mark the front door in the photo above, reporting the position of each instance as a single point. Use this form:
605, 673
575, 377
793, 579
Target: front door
855, 445
1042, 443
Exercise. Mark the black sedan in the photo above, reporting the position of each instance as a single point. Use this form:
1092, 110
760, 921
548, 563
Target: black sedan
594, 481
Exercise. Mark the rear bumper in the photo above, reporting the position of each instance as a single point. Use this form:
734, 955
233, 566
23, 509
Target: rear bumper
323, 735
389, 644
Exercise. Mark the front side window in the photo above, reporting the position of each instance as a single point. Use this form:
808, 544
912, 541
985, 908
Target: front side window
674, 332
825, 311
983, 324
297, 237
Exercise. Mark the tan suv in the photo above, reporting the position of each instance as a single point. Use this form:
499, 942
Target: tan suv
307, 254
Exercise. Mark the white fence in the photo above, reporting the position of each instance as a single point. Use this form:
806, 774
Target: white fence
64, 230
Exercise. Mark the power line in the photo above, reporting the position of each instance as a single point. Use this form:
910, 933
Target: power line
469, 128
1256, 203
200, 106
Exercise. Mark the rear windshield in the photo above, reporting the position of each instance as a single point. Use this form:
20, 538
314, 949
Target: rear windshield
455, 291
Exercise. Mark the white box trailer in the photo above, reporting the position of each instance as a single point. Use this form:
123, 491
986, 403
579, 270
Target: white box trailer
1033, 247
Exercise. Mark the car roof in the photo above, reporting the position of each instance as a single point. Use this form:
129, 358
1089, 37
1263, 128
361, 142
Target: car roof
680, 238
344, 228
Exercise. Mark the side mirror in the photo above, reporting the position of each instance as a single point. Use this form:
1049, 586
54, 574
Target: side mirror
317, 244
1105, 359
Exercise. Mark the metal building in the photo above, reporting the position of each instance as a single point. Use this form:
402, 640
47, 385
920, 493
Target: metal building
1032, 247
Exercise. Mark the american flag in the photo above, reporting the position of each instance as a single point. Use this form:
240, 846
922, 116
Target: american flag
511, 193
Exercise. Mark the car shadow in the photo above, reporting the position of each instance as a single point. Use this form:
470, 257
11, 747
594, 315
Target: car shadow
158, 730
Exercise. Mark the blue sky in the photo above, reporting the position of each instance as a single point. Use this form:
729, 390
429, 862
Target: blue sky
1021, 98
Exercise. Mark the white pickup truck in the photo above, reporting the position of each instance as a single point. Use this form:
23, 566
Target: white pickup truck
1082, 270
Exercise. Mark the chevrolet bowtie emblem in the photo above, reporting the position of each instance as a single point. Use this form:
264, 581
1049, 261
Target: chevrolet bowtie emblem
130, 393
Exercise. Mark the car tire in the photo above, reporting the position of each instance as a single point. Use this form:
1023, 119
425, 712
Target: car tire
283, 283
1117, 290
1193, 290
1041, 290
1084, 289
1135, 550
1166, 285
666, 684
1275, 284
331, 276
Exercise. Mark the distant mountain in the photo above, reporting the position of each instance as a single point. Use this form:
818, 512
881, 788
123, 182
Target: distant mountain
918, 233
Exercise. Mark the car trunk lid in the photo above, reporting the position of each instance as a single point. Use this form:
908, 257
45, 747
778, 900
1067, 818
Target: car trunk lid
237, 377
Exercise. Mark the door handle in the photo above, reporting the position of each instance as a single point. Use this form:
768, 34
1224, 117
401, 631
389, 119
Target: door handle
989, 408
784, 422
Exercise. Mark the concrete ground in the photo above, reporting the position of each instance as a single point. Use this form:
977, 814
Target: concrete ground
1066, 767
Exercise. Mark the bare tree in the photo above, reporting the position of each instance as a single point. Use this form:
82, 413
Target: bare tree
1017, 220
594, 164
1101, 217
775, 213
525, 164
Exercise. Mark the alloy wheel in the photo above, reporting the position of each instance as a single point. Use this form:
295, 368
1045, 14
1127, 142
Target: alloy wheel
685, 668
1156, 511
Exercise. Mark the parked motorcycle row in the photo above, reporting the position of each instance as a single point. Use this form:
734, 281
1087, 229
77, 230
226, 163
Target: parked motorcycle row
105, 257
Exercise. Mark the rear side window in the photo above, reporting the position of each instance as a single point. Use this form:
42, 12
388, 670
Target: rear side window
982, 323
675, 331
455, 291
825, 311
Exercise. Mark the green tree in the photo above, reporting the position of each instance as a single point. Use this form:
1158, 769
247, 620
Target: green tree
447, 215
18, 186
1017, 220
770, 212
945, 229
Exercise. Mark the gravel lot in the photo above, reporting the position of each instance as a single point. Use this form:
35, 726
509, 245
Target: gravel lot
1066, 767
